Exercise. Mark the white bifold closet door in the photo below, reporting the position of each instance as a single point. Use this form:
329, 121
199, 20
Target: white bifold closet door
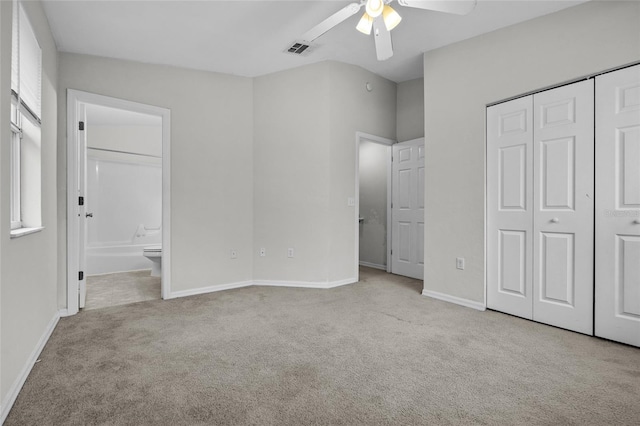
563, 189
617, 307
540, 181
510, 207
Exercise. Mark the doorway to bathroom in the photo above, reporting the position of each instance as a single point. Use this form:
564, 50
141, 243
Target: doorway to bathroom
118, 202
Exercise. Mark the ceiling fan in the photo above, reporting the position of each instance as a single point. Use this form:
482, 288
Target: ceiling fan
381, 18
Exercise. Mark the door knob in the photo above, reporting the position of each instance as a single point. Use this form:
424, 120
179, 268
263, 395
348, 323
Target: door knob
636, 222
555, 220
89, 215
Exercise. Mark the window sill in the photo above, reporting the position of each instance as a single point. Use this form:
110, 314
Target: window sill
21, 232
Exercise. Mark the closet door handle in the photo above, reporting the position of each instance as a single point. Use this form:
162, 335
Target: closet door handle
636, 222
555, 220
88, 215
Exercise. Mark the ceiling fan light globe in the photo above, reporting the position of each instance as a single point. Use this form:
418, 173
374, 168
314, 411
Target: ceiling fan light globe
374, 8
365, 24
390, 17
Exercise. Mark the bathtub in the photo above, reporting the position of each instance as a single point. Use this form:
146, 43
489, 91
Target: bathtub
108, 259
124, 194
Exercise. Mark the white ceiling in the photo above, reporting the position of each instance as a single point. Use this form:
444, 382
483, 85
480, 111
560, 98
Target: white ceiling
248, 38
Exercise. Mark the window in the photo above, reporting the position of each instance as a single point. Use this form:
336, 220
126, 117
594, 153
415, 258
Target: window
16, 134
26, 69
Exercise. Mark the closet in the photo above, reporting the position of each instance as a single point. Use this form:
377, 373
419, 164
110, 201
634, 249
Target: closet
563, 224
617, 247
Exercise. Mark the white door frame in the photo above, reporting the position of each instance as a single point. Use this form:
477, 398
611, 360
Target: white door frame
74, 99
360, 136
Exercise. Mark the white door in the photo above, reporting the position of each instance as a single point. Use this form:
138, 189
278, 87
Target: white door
617, 305
563, 203
407, 209
82, 204
510, 207
540, 207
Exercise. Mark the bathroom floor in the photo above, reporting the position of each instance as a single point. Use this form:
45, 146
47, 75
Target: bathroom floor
121, 288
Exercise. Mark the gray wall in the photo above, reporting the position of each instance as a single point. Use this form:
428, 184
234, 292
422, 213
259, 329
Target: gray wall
28, 266
410, 110
291, 174
353, 109
211, 161
373, 158
305, 125
461, 79
266, 162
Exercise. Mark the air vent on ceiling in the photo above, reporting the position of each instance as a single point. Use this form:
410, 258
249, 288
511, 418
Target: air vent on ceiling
299, 48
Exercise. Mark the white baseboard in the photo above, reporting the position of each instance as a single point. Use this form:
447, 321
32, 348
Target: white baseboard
453, 299
304, 284
10, 399
210, 289
64, 313
339, 283
269, 283
373, 265
300, 284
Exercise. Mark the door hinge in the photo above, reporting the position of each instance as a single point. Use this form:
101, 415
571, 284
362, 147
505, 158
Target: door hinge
81, 125
81, 201
391, 251
81, 275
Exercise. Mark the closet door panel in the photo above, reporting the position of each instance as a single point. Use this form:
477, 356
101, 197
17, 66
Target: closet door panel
628, 172
557, 257
509, 207
563, 207
617, 304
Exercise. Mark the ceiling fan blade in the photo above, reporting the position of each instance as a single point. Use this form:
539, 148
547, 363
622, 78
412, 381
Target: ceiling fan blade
333, 20
382, 37
458, 7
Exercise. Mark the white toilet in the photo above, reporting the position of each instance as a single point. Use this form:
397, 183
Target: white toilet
154, 254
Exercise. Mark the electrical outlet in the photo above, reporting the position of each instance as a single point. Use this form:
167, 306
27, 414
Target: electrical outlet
290, 252
234, 254
263, 252
460, 262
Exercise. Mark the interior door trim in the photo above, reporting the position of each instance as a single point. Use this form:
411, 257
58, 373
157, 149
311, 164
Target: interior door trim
74, 99
360, 136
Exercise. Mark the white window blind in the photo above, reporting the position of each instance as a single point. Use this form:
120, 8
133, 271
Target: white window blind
26, 63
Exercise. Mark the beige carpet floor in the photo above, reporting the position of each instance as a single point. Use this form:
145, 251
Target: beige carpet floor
375, 352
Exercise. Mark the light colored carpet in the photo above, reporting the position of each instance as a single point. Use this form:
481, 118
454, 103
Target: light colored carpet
121, 288
375, 352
